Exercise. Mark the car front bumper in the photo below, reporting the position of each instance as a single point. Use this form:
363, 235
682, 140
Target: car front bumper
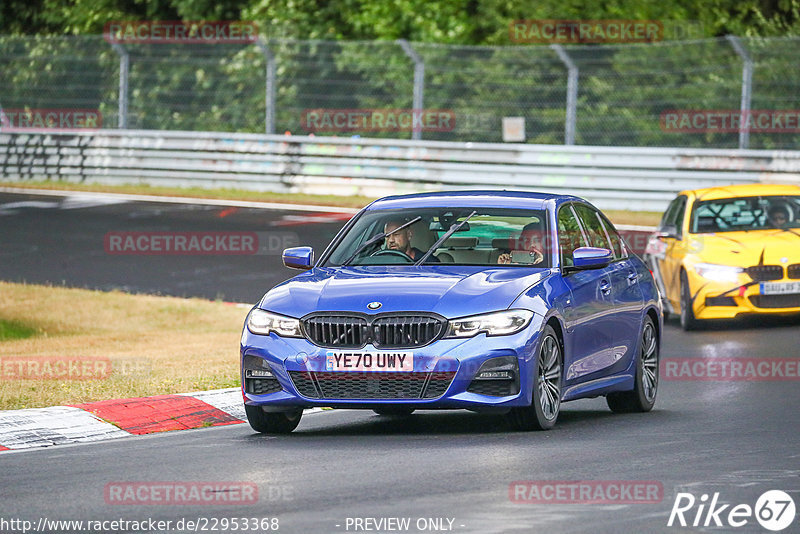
727, 300
443, 371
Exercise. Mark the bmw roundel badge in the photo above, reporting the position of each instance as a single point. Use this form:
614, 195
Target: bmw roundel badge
374, 305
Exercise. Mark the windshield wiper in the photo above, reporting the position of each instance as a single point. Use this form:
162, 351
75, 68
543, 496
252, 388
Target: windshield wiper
377, 237
453, 229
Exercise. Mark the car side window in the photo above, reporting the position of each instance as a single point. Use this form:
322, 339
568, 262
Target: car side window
674, 215
613, 236
570, 235
594, 228
669, 213
681, 212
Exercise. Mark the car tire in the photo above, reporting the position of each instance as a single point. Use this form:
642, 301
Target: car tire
547, 387
272, 422
399, 411
688, 320
643, 396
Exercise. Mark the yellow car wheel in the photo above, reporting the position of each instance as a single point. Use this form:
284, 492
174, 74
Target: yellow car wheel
688, 320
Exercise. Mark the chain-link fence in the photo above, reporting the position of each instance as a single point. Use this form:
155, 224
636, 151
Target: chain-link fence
581, 94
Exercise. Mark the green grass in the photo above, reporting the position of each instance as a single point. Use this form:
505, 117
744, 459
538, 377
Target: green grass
15, 330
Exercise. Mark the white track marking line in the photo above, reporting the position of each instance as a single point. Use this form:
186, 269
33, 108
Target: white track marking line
124, 197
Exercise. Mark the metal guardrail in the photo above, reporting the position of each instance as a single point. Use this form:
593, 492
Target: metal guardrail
640, 179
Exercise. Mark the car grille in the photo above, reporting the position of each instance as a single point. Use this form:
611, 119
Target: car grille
385, 331
335, 331
261, 386
776, 301
760, 273
794, 271
346, 385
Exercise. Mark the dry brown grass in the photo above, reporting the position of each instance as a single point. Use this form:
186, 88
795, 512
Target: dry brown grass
155, 345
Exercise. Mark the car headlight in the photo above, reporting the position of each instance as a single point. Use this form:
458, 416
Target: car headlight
263, 322
493, 324
718, 273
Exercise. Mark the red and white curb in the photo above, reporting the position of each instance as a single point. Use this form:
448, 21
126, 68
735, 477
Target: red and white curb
104, 420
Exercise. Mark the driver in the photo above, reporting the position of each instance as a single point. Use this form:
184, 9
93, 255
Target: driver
778, 215
401, 241
529, 241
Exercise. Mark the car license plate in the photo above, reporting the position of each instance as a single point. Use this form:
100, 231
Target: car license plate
369, 361
780, 288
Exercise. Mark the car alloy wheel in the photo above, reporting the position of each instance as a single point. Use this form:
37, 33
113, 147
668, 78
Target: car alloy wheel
688, 320
272, 422
643, 396
546, 396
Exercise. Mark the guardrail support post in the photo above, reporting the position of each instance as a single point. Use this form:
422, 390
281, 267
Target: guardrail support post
419, 81
572, 93
124, 68
747, 89
269, 89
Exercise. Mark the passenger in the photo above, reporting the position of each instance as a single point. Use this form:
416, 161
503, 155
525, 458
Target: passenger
531, 242
778, 215
401, 241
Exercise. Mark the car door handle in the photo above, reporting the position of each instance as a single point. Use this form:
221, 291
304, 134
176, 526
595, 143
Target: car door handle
605, 287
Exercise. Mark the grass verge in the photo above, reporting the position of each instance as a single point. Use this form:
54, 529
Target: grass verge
148, 345
643, 218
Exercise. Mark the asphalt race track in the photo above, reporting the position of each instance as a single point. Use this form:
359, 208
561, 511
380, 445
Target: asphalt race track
48, 239
734, 438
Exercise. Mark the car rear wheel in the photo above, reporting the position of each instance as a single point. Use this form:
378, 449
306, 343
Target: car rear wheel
643, 396
394, 410
546, 404
688, 320
272, 422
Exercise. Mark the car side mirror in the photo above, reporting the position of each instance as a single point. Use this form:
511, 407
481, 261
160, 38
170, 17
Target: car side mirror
670, 230
299, 258
591, 257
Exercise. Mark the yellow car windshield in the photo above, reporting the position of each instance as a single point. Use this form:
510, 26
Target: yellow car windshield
745, 213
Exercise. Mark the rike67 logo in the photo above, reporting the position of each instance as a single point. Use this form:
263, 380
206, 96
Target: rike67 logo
774, 510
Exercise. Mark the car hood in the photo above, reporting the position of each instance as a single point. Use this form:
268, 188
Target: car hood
743, 249
451, 291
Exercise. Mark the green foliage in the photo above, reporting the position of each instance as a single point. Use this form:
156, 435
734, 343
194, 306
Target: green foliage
343, 54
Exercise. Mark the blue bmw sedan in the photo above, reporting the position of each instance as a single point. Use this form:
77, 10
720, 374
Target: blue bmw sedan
501, 301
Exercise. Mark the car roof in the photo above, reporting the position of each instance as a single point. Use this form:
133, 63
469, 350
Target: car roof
744, 190
483, 198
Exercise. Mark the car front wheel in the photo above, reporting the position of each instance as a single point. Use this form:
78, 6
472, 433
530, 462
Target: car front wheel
544, 410
688, 320
272, 422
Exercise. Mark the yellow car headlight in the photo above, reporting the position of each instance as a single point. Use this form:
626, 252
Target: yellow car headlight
718, 273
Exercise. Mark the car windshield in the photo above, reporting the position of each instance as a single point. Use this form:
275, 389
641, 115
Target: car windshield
491, 236
745, 213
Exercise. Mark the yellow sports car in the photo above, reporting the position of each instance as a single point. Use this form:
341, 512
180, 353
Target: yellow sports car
725, 251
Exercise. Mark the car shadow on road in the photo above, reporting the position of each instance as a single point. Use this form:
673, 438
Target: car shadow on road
462, 422
745, 322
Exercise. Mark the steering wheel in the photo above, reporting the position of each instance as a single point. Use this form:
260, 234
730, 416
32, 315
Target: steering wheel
392, 252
